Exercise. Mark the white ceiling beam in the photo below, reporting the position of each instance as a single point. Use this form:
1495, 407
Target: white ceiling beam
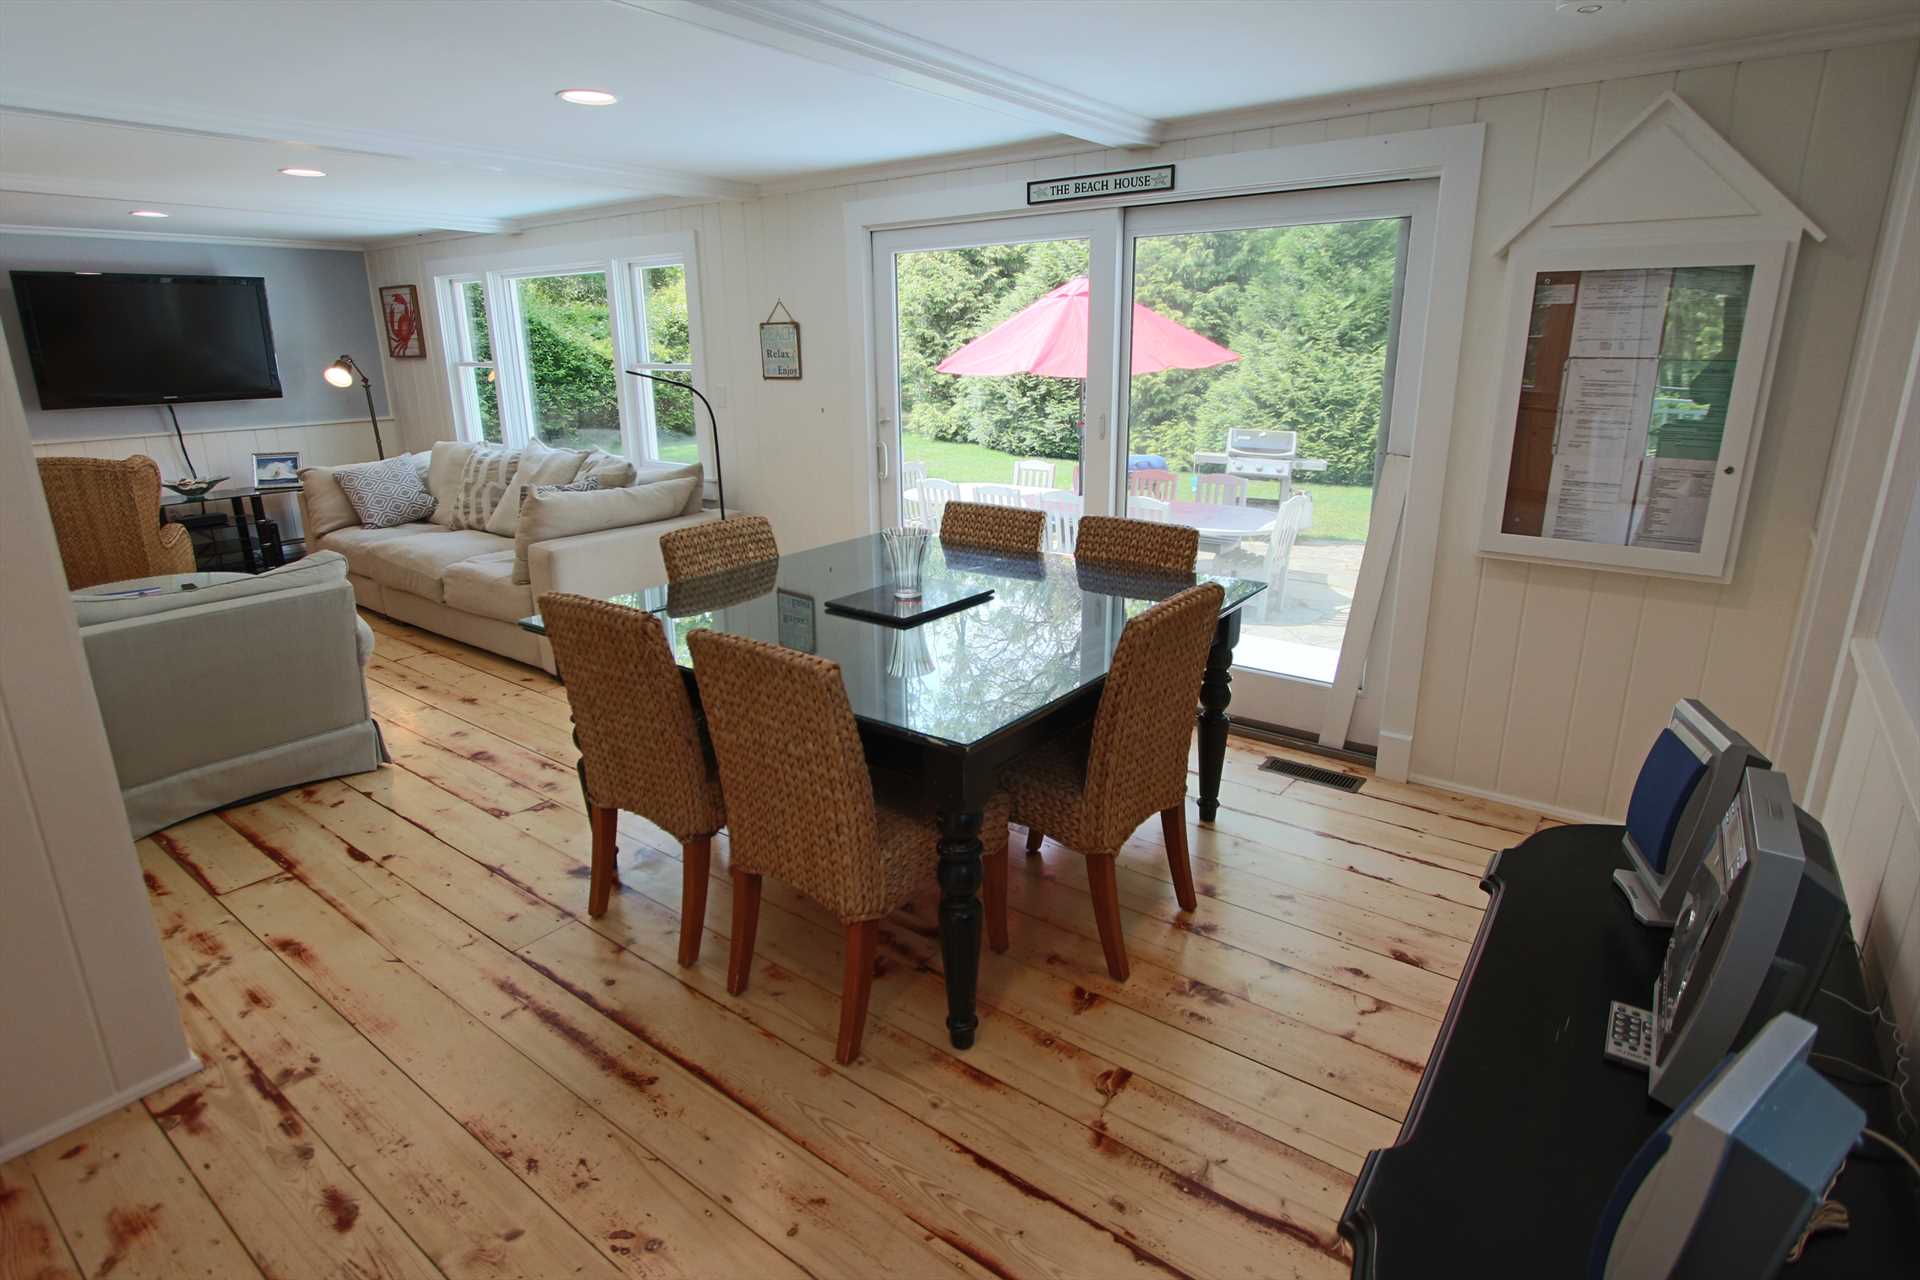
839, 39
190, 196
390, 144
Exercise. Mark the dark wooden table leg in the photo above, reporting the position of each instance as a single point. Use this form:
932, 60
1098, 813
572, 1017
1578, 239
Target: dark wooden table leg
1215, 693
960, 919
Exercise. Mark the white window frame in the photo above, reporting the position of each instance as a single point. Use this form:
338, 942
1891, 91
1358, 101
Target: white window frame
458, 344
621, 263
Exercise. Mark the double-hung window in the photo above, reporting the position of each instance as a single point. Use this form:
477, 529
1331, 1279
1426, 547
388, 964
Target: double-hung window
538, 344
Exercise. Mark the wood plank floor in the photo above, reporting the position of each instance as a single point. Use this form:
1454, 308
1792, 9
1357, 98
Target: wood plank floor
422, 1058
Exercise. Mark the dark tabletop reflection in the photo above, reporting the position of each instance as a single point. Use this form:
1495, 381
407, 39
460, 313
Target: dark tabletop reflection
1050, 629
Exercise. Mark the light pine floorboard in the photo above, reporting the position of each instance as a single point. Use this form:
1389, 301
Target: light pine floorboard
424, 1059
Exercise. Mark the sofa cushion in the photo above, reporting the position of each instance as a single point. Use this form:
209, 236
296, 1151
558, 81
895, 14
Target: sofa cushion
484, 586
655, 472
612, 472
449, 459
538, 465
357, 544
418, 563
546, 515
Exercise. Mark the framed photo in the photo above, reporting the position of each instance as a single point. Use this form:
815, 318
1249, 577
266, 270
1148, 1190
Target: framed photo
780, 349
276, 469
400, 310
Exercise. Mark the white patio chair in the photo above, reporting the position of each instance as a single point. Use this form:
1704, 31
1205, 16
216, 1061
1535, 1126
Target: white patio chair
911, 474
1152, 483
999, 495
929, 502
1294, 515
1142, 506
1033, 471
1063, 520
1220, 490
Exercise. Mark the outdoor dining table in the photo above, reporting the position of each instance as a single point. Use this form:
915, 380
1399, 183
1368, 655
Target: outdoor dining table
950, 702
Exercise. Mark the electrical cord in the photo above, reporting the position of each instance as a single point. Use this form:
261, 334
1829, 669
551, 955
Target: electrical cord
1902, 1071
1894, 1147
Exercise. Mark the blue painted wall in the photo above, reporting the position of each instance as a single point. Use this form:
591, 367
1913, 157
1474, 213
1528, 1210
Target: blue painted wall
317, 298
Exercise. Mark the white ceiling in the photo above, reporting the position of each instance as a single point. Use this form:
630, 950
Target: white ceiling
439, 114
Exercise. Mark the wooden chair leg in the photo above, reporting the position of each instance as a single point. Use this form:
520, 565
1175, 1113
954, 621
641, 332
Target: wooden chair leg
1034, 837
856, 986
1105, 889
604, 821
995, 892
746, 921
1173, 825
696, 864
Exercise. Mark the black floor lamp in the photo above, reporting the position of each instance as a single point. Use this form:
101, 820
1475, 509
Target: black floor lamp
340, 374
719, 480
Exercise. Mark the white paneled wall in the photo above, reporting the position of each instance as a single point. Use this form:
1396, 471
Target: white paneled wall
1543, 683
230, 453
1872, 816
88, 1019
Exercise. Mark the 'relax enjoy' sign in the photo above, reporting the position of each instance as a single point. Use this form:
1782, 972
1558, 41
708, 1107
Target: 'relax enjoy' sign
1088, 186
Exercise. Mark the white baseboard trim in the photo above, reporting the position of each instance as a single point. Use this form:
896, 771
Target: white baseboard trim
1502, 797
1393, 756
94, 1110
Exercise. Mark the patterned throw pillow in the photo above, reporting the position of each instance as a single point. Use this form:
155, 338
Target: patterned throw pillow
385, 494
483, 481
578, 486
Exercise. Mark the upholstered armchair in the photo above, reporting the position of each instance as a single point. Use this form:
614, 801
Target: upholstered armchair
106, 517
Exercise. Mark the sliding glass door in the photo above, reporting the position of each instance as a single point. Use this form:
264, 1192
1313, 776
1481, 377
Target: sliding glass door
983, 378
1225, 364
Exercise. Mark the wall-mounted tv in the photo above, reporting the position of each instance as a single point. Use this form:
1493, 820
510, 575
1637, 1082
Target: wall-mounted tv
99, 339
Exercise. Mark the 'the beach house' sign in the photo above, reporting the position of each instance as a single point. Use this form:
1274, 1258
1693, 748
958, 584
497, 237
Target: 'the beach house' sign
1088, 186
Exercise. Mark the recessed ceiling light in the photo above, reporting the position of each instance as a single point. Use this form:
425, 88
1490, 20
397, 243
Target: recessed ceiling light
305, 173
148, 213
1587, 7
587, 97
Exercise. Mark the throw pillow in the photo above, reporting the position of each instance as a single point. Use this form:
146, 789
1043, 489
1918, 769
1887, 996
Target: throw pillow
539, 465
385, 494
323, 504
548, 514
449, 459
611, 472
489, 470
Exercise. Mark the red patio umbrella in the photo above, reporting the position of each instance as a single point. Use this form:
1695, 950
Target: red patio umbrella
1049, 337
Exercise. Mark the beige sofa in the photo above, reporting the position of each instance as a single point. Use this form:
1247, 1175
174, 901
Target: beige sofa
459, 582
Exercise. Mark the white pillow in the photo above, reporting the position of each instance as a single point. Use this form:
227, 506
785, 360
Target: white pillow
443, 476
546, 515
539, 465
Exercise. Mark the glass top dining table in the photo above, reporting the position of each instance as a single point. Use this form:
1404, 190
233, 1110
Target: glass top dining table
953, 699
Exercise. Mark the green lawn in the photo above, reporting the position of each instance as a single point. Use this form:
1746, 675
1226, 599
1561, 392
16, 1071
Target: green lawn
1340, 511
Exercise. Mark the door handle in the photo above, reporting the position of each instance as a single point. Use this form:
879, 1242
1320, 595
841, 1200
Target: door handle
881, 449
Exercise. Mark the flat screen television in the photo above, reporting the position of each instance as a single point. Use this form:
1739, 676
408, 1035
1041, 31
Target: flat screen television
101, 340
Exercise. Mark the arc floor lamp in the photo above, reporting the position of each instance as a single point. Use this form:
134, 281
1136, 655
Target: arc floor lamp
719, 480
340, 374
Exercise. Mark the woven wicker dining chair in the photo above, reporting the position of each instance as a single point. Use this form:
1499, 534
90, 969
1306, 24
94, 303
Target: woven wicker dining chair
701, 549
1139, 545
1090, 795
640, 744
106, 518
805, 809
993, 528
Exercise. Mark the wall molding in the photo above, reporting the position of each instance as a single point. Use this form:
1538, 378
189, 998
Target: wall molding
94, 1110
177, 237
62, 442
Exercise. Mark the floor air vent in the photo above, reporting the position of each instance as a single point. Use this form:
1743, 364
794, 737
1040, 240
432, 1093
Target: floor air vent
1313, 773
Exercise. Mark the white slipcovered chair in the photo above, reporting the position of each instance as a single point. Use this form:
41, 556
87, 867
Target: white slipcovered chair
217, 687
